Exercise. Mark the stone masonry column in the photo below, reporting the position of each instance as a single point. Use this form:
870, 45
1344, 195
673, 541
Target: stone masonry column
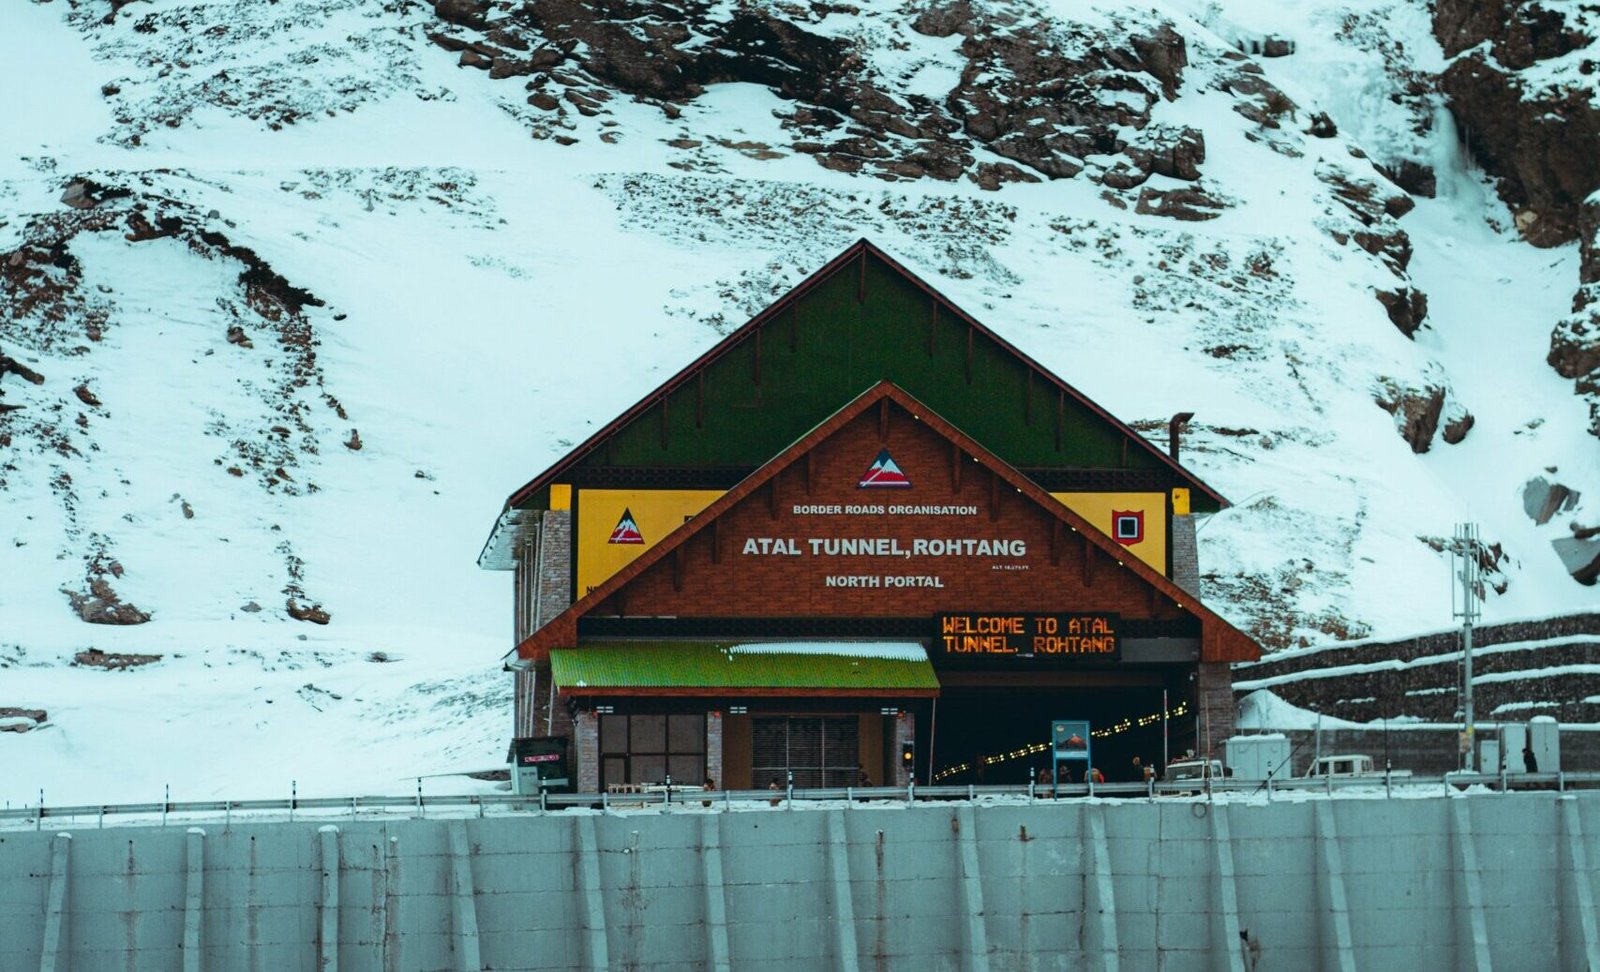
586, 749
1185, 567
552, 594
1214, 706
714, 748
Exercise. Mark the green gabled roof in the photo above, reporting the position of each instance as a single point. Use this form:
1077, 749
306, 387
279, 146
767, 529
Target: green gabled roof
861, 319
694, 668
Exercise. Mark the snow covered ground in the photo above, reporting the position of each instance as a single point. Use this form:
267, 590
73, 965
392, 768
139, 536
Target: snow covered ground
488, 298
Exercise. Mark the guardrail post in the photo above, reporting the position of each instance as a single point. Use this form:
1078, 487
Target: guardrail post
846, 953
1580, 890
1472, 942
974, 932
464, 911
53, 955
194, 899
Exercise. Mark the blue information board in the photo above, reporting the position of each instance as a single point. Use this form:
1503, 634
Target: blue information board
1069, 743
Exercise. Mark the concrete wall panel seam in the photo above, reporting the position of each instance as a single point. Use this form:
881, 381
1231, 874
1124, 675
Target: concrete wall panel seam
464, 909
53, 952
717, 950
328, 925
193, 898
844, 912
975, 933
586, 848
1101, 900
1580, 882
1227, 943
1472, 941
1335, 924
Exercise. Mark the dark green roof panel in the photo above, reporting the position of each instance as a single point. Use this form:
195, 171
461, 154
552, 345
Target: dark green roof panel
828, 347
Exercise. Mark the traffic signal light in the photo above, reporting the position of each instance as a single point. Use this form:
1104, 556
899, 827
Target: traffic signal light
907, 756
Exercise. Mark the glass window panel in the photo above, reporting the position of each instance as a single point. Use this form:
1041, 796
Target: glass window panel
805, 741
839, 778
614, 734
613, 769
648, 769
649, 734
686, 734
769, 736
687, 769
807, 778
839, 743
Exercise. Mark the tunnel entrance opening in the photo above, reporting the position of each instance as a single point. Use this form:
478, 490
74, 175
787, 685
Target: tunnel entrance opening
995, 735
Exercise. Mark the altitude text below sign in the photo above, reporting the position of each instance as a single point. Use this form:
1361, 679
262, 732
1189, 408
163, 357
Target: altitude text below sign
1036, 640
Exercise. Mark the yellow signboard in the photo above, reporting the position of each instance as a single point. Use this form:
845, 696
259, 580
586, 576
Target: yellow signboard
617, 525
1138, 521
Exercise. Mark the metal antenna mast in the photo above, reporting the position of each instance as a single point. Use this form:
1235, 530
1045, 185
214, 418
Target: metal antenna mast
1464, 564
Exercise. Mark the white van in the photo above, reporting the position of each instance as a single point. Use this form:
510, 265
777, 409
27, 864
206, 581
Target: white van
1348, 765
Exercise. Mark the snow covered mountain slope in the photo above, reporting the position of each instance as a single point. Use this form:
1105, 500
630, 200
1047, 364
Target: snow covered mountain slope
292, 294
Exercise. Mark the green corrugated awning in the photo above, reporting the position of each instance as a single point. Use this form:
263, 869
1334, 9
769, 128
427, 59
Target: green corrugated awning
722, 668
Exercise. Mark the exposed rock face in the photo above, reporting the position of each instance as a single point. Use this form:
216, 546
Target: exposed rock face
307, 612
21, 720
111, 660
1542, 142
1057, 100
1416, 413
1407, 308
1575, 341
101, 605
1527, 98
1542, 499
1581, 556
1457, 423
1190, 205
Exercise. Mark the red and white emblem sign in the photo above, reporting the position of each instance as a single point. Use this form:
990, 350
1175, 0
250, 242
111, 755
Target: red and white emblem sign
626, 531
1127, 526
883, 473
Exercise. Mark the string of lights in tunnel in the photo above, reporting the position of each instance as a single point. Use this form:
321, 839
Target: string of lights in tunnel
1142, 722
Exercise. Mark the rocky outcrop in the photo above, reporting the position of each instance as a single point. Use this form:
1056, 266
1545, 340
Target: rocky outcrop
1525, 94
1416, 412
1056, 100
307, 612
1575, 341
13, 719
1542, 499
111, 661
1407, 308
1540, 139
101, 605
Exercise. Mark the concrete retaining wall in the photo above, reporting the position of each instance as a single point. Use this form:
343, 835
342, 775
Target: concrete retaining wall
1501, 881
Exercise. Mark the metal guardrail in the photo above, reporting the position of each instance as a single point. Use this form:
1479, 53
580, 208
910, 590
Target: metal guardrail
419, 804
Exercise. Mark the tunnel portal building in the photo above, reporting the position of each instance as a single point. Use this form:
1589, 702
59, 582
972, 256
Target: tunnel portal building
863, 539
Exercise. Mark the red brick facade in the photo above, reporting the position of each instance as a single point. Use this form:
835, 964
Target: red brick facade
713, 575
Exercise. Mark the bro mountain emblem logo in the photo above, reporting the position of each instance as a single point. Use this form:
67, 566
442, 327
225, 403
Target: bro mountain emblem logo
1127, 526
883, 473
626, 530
